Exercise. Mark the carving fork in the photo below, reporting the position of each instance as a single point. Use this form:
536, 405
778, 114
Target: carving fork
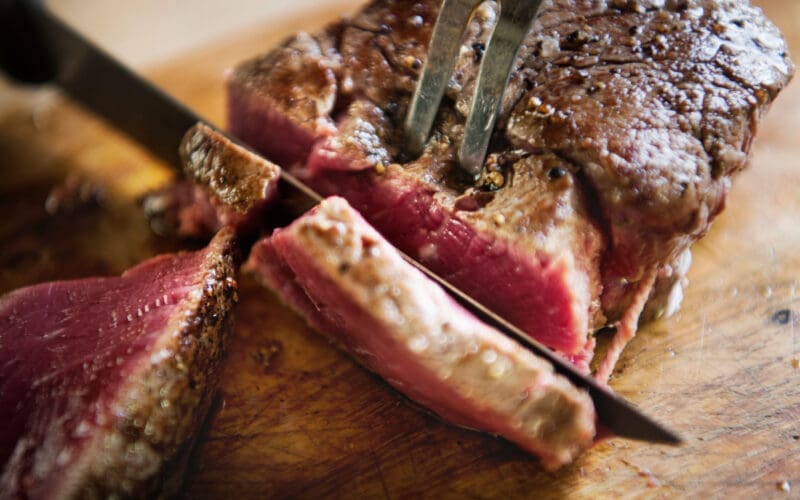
513, 23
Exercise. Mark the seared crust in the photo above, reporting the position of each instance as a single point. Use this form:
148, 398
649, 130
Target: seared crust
231, 173
137, 435
296, 77
657, 104
161, 409
225, 184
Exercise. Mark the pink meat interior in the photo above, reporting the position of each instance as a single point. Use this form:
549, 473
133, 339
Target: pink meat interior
66, 348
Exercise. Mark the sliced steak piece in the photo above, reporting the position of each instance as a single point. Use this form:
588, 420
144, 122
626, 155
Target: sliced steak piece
351, 284
620, 131
297, 73
104, 381
238, 179
226, 185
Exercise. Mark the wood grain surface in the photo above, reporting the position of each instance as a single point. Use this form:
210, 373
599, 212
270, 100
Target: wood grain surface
297, 418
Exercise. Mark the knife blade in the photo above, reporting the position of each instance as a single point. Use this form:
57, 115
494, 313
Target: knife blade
37, 46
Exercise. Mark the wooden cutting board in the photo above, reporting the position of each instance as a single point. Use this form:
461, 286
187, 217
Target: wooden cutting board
298, 419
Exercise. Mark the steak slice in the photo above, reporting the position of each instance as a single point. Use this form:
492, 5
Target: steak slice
352, 285
105, 381
226, 185
622, 126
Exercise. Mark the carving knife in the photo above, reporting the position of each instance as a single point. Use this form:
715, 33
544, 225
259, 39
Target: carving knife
37, 47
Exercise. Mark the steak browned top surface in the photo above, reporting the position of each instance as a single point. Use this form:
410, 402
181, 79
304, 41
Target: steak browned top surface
647, 107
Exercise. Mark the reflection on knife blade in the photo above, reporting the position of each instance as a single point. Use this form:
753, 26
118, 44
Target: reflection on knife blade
159, 123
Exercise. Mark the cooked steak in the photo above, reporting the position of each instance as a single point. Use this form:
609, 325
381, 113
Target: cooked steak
233, 175
104, 381
621, 128
351, 284
226, 185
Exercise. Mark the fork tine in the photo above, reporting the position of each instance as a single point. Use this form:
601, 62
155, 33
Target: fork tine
442, 56
513, 25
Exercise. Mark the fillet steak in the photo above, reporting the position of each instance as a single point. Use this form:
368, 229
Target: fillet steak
225, 185
352, 285
105, 381
622, 126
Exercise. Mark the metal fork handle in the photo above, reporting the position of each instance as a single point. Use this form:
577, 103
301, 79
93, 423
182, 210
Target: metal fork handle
442, 56
513, 25
509, 32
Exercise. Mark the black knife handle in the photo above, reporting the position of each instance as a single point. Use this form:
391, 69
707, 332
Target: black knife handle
23, 54
39, 47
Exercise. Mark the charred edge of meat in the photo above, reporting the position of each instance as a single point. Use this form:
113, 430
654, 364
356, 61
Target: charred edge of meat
238, 178
227, 185
122, 458
137, 445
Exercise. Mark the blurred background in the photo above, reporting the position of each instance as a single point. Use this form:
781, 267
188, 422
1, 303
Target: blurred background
147, 32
